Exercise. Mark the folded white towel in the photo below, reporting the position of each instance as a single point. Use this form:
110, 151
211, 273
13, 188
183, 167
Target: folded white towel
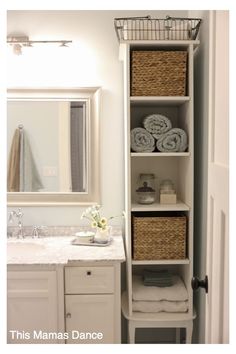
160, 306
176, 292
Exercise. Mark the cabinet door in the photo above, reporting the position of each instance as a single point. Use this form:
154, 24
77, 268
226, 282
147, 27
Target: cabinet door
31, 306
89, 315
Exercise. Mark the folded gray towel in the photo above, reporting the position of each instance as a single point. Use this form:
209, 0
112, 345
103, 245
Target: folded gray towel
142, 140
161, 284
157, 278
157, 124
176, 292
175, 140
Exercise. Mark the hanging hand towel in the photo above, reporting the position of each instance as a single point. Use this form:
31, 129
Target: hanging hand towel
142, 140
30, 180
13, 173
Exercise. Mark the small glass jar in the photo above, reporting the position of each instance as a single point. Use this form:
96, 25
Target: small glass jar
146, 193
167, 187
167, 192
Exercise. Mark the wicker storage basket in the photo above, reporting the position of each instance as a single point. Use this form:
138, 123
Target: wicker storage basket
157, 238
158, 73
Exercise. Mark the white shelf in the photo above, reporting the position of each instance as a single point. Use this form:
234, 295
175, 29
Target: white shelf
160, 43
177, 166
159, 100
163, 261
179, 206
159, 154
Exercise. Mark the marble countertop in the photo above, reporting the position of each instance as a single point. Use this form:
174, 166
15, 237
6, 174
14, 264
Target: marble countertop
58, 250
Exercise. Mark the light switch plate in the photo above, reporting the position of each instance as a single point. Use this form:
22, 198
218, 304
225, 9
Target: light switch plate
49, 171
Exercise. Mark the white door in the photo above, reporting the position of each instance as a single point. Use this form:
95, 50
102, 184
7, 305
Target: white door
217, 300
90, 319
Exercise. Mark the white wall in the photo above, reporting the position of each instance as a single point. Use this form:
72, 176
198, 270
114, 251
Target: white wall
92, 60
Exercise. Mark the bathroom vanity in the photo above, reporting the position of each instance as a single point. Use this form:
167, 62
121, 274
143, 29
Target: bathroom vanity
62, 293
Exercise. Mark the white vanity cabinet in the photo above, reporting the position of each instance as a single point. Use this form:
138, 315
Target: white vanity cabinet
92, 304
64, 288
31, 306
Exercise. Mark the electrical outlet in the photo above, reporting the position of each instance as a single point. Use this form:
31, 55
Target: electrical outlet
49, 171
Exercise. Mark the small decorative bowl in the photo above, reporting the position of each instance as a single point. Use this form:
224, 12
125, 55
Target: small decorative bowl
85, 236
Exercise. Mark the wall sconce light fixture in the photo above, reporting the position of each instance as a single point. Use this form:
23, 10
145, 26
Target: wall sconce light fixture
18, 42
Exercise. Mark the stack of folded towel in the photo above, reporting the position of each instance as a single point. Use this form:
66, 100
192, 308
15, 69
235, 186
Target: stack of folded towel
157, 278
158, 131
156, 298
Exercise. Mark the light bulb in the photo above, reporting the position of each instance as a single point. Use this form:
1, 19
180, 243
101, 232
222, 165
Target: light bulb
17, 49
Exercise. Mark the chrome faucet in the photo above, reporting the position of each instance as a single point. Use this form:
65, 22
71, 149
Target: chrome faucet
10, 221
36, 230
18, 214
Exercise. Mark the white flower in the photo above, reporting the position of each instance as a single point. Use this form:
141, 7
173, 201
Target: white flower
103, 221
93, 214
94, 224
88, 211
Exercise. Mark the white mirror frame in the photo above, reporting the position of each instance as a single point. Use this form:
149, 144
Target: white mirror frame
92, 196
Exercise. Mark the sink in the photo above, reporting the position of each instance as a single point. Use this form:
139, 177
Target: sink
17, 248
45, 250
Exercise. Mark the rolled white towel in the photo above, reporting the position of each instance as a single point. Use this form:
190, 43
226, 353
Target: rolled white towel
175, 140
157, 124
142, 140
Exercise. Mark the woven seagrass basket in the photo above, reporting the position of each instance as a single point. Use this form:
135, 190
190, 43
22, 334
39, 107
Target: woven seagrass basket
158, 73
156, 238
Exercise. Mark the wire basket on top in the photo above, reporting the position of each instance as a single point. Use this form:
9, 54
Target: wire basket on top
147, 28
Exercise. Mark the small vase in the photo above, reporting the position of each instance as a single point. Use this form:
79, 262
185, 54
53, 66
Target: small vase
102, 235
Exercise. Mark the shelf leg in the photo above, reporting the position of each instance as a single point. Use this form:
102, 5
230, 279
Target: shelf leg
131, 333
189, 331
177, 335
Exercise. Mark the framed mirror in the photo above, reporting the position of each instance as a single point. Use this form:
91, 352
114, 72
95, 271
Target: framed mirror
53, 146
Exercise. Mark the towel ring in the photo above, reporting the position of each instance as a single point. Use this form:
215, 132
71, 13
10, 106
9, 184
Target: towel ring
20, 126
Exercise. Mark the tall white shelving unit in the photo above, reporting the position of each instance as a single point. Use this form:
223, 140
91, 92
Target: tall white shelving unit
176, 166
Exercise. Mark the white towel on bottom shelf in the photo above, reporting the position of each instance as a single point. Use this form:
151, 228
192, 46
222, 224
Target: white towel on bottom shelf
176, 292
160, 306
